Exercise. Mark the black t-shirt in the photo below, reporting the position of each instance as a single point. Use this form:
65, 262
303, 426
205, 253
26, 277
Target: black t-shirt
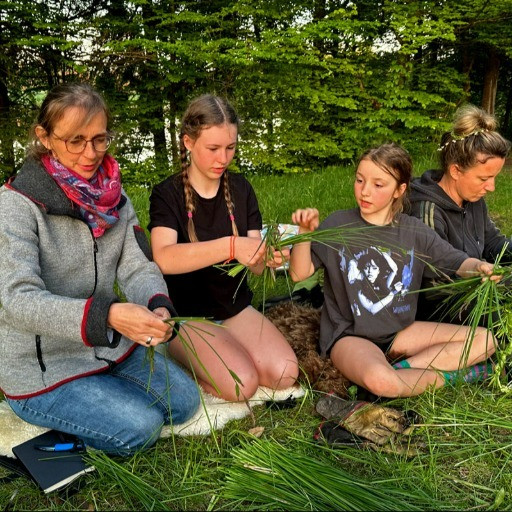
207, 292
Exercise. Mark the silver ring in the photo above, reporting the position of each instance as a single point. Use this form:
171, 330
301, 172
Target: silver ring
149, 340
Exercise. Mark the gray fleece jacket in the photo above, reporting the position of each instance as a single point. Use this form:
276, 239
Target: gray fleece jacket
57, 284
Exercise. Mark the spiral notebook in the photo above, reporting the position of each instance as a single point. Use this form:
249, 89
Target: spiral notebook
51, 470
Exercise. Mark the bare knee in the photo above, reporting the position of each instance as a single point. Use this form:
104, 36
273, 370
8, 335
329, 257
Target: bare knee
240, 385
283, 375
485, 344
383, 383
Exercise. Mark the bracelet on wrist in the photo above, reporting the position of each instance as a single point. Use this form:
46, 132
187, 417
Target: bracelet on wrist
231, 249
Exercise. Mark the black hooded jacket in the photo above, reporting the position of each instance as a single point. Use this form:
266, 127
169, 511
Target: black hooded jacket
467, 228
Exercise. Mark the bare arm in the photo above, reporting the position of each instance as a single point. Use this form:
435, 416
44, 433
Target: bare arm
375, 307
301, 265
393, 266
178, 258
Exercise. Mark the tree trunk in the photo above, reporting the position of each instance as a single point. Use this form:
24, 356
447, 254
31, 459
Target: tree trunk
505, 125
7, 164
319, 12
159, 141
467, 66
491, 81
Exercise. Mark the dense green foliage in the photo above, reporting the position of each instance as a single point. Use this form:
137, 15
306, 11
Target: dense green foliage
315, 81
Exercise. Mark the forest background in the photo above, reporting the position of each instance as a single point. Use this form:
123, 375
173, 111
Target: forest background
315, 81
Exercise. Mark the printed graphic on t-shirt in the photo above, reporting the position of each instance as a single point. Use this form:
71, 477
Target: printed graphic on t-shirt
377, 280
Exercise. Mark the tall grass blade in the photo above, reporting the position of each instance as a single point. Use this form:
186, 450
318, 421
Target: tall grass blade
488, 304
268, 475
277, 240
137, 492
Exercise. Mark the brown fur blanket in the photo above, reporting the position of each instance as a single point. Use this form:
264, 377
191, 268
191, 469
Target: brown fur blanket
300, 325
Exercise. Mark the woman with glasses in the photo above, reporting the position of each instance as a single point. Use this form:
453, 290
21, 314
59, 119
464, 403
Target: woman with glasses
73, 355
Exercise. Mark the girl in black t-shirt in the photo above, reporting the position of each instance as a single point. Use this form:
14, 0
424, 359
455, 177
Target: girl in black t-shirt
201, 217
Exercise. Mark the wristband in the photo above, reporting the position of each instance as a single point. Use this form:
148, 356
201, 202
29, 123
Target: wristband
231, 249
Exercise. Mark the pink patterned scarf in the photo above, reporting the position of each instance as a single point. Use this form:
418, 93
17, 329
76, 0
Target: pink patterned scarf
97, 198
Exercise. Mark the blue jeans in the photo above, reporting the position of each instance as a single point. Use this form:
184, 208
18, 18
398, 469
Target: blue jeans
114, 411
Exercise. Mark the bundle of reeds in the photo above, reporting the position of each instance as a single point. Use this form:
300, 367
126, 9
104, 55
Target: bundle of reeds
136, 491
265, 473
355, 236
182, 327
485, 302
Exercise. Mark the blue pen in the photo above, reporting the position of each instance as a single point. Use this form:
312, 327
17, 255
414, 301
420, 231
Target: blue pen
61, 447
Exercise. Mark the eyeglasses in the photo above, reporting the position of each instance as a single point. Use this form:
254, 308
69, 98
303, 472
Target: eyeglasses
77, 145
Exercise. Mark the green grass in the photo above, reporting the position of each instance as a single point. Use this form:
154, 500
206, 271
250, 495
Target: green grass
465, 463
500, 200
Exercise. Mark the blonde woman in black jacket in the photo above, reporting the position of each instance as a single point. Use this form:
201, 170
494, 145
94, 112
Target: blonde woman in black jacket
451, 200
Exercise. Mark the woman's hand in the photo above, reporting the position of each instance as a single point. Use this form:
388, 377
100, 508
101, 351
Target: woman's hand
139, 324
472, 266
307, 219
164, 314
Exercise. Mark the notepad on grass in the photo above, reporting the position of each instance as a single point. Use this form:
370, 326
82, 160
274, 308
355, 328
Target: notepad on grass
51, 470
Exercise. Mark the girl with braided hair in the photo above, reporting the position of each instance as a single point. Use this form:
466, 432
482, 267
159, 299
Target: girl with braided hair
451, 200
199, 218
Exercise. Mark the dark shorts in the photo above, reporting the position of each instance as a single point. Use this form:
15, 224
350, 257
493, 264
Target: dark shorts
385, 344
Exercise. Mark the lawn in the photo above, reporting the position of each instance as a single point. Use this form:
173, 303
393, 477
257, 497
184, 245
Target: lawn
464, 439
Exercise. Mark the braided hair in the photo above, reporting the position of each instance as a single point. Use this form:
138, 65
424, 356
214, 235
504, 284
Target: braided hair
203, 112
